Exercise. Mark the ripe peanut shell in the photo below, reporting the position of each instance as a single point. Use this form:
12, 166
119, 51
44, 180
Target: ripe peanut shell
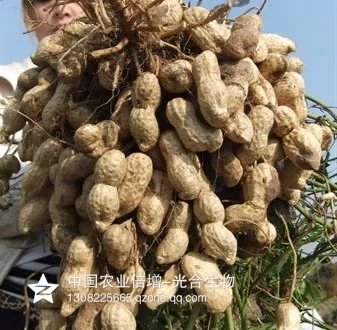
197, 265
295, 64
176, 77
110, 168
285, 120
210, 36
322, 133
212, 94
131, 275
51, 318
35, 99
155, 203
88, 137
292, 196
65, 193
260, 53
239, 72
299, 106
251, 21
288, 316
242, 217
262, 120
278, 44
289, 87
302, 148
265, 234
80, 115
48, 153
102, 205
144, 128
64, 226
167, 288
138, 175
12, 120
116, 315
168, 12
81, 201
274, 152
79, 260
261, 184
172, 247
239, 128
89, 315
54, 112
35, 182
181, 169
226, 165
262, 93
292, 176
207, 207
194, 134
77, 167
236, 99
33, 215
219, 242
273, 67
146, 92
118, 244
180, 216
109, 131
28, 79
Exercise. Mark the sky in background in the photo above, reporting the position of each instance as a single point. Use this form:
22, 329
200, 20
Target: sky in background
311, 24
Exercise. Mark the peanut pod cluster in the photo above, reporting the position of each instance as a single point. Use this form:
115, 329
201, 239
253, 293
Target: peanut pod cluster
147, 159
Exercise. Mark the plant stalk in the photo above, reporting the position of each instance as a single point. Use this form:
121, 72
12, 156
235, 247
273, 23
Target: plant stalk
229, 319
194, 315
244, 325
323, 106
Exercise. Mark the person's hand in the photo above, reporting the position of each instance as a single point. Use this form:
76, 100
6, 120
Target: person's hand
6, 88
238, 3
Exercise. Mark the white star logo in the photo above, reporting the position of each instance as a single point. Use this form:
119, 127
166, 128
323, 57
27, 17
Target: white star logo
43, 290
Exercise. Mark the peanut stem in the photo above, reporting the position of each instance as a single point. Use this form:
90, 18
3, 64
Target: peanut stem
312, 217
194, 315
321, 177
327, 109
244, 325
229, 319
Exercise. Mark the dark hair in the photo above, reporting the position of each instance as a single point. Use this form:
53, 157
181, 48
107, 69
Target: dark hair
27, 13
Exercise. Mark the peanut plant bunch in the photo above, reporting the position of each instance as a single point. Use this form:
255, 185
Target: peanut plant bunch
159, 136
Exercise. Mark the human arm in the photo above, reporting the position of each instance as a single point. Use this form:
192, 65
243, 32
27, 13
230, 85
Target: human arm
9, 204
